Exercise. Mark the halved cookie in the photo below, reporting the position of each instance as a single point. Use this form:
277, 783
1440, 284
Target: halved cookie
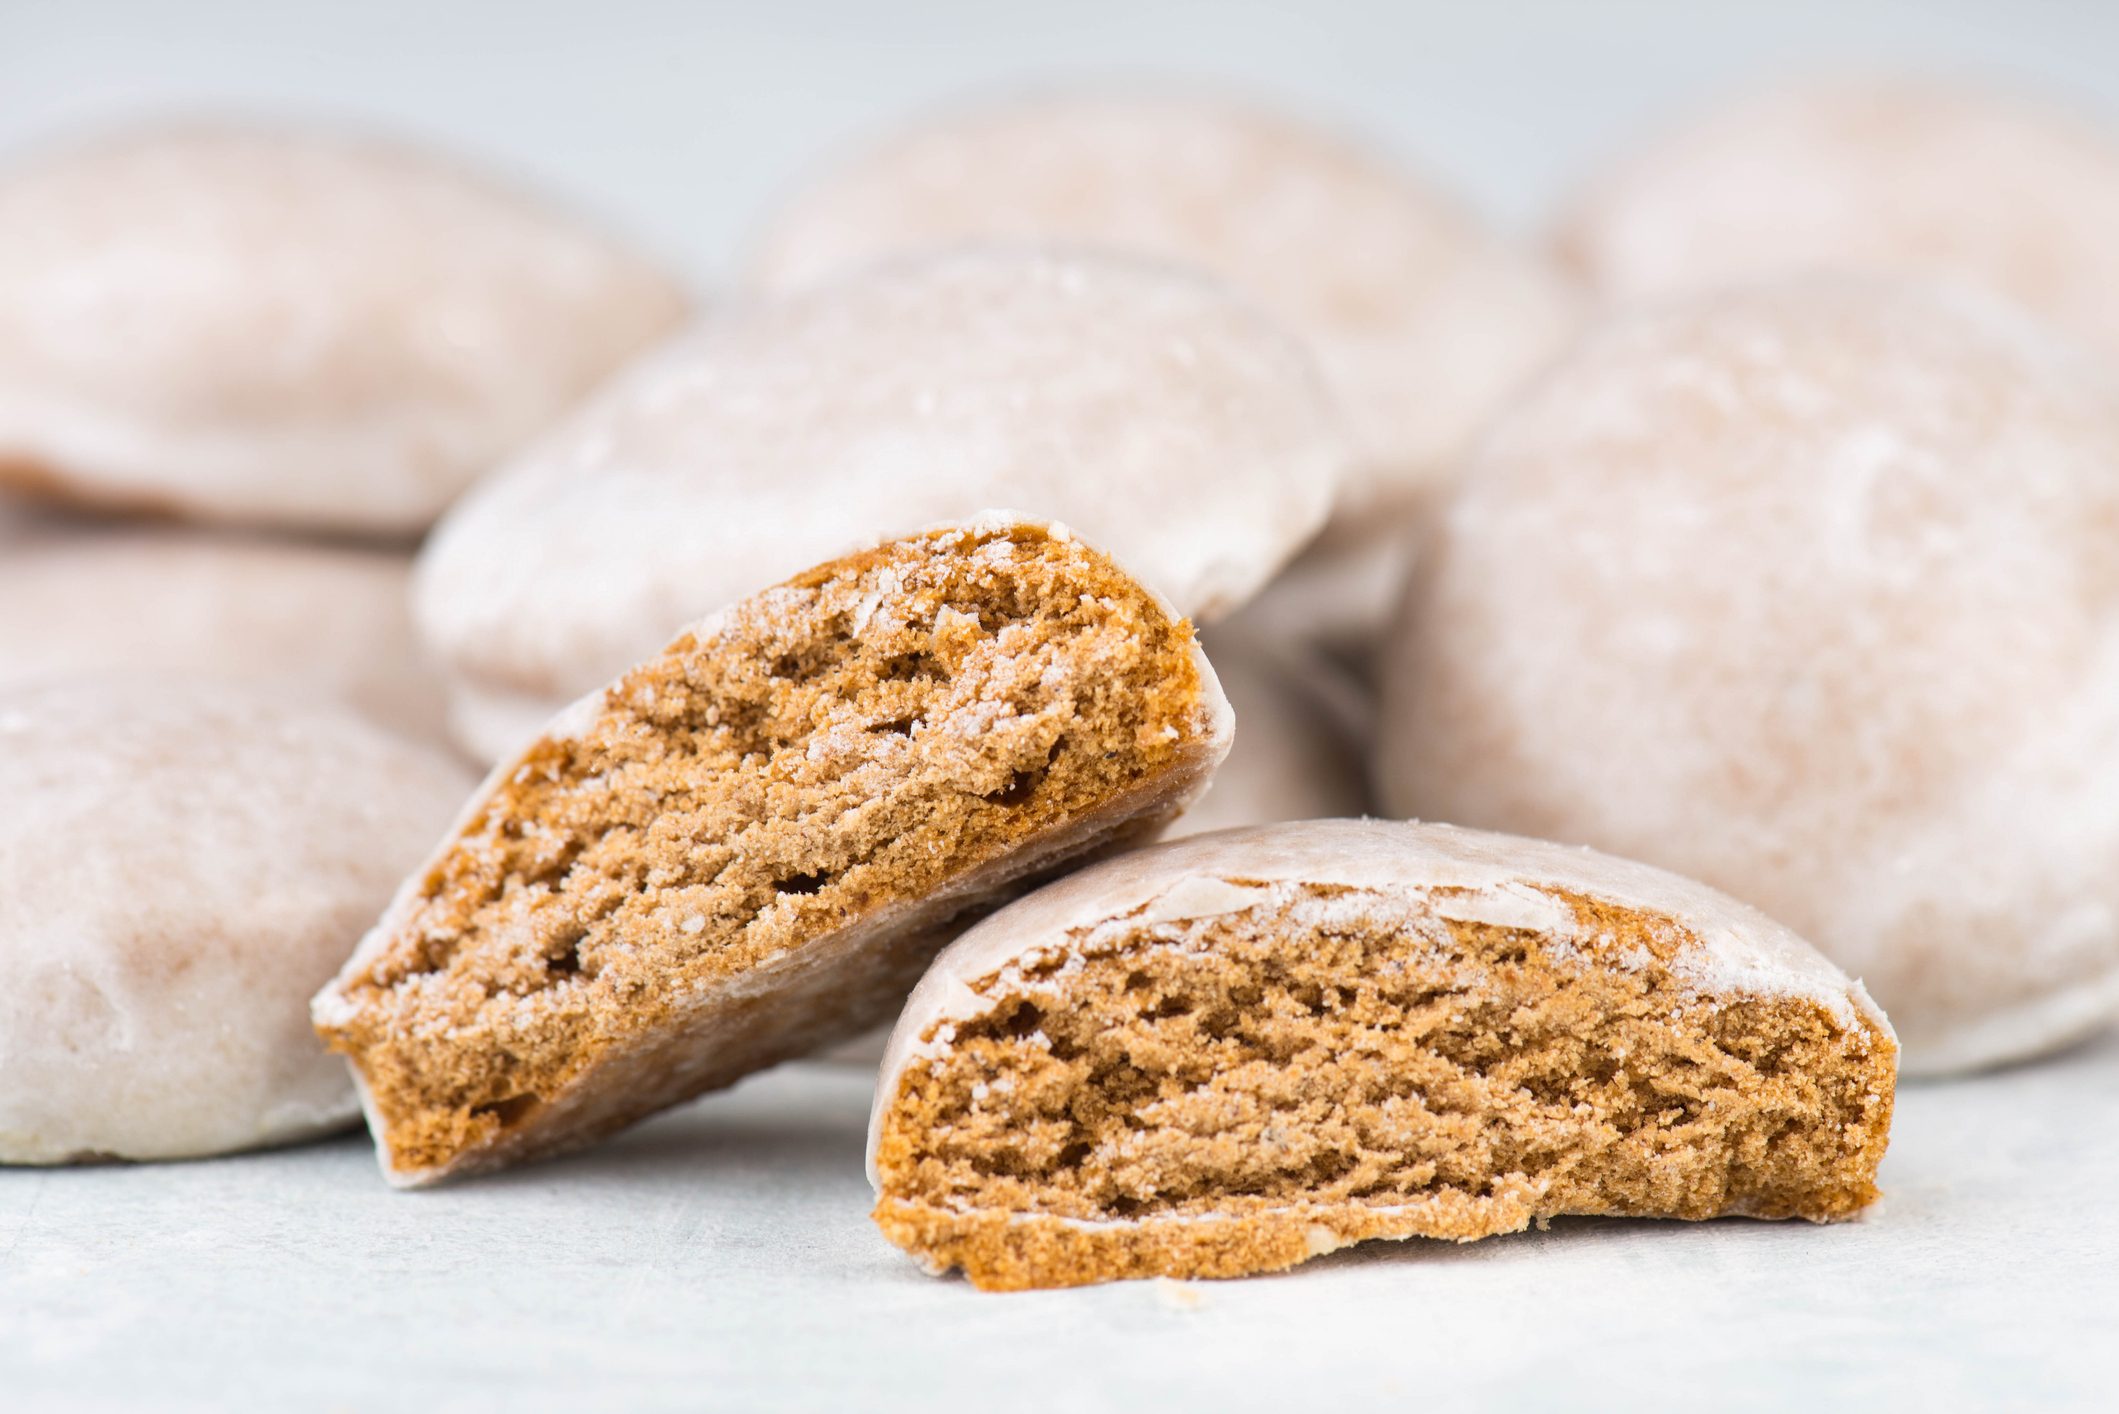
1233, 1053
745, 847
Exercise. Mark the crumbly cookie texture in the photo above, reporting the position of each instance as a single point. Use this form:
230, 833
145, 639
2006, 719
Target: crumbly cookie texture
1233, 1053
744, 848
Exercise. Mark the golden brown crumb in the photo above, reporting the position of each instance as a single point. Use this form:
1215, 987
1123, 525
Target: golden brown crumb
1240, 1093
744, 854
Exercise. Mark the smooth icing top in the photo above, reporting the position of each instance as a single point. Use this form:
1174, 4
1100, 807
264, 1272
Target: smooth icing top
182, 862
1903, 176
1394, 283
1806, 589
334, 619
309, 329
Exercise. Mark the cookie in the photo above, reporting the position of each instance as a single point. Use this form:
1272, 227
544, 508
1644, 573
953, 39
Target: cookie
746, 847
1234, 1053
182, 863
1808, 591
1421, 317
246, 324
1294, 759
1916, 178
328, 620
1153, 411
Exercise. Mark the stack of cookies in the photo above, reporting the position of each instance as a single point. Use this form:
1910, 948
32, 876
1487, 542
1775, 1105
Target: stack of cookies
1736, 579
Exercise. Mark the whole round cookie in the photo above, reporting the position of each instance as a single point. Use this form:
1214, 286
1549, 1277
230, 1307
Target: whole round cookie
1152, 410
330, 620
298, 329
1809, 591
182, 864
1900, 176
1421, 317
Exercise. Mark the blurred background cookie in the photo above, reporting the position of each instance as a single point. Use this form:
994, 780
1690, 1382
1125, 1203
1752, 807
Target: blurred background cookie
1807, 590
1421, 315
1295, 757
259, 324
1915, 177
182, 863
329, 620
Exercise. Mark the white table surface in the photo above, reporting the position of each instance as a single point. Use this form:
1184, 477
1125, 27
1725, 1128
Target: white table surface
721, 1257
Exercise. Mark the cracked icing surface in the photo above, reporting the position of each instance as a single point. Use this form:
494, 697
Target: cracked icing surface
1153, 411
1807, 591
248, 325
1231, 1053
181, 864
1916, 178
746, 848
1421, 317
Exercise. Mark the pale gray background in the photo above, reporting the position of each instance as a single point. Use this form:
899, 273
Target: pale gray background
720, 1258
679, 121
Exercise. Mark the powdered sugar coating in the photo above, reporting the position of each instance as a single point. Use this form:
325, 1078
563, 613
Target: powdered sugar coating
1420, 316
181, 864
1156, 412
1407, 872
1917, 178
330, 620
254, 325
1808, 591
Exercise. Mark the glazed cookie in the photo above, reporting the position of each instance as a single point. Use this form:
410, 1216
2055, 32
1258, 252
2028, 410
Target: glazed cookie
746, 847
1808, 591
181, 864
1894, 175
242, 324
1154, 411
332, 621
1420, 316
1236, 1052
